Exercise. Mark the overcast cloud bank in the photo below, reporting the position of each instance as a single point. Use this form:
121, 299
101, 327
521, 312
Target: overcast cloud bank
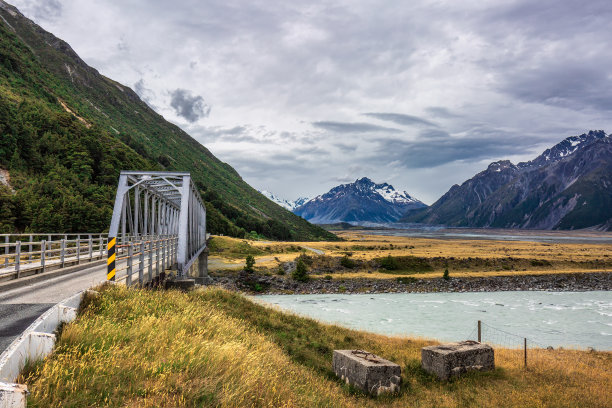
421, 95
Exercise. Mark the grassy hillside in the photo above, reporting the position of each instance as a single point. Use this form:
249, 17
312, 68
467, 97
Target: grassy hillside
66, 132
216, 348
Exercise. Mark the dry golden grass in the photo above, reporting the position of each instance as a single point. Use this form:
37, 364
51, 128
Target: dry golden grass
517, 255
138, 348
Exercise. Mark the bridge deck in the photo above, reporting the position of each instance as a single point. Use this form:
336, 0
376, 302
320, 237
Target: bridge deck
21, 306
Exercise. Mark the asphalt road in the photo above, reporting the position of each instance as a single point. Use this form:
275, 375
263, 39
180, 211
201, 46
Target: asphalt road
21, 306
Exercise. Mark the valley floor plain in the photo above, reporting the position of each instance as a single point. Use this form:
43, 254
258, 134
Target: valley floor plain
364, 262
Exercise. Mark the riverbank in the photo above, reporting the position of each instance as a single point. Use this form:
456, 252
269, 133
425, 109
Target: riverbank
261, 284
212, 347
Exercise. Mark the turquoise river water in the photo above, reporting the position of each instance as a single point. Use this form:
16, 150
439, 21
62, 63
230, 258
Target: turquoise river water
568, 319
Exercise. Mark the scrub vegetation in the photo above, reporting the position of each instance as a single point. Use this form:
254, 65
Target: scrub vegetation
384, 257
142, 348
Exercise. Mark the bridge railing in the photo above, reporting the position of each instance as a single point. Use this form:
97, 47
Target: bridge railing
24, 254
141, 259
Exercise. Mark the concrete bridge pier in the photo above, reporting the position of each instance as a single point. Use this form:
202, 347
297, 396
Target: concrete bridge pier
201, 275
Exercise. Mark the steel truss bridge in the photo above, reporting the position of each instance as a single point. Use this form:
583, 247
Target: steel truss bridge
160, 215
158, 223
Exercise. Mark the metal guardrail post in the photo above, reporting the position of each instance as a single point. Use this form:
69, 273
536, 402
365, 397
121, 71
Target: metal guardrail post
128, 280
62, 252
157, 271
163, 255
90, 248
150, 260
43, 251
141, 263
30, 248
17, 257
78, 247
6, 251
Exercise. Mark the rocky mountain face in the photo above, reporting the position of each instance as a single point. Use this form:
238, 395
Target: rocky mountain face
359, 202
569, 186
288, 204
66, 131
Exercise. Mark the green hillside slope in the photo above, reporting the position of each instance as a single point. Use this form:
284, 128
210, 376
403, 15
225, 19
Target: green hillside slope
66, 131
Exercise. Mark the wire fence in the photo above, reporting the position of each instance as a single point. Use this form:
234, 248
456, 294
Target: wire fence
521, 350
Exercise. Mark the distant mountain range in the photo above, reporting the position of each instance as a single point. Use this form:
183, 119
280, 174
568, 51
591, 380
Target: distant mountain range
569, 186
359, 202
288, 204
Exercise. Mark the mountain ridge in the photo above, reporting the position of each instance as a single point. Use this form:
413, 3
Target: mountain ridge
568, 186
361, 201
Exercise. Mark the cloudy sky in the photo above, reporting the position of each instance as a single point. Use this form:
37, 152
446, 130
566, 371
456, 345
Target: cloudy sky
301, 96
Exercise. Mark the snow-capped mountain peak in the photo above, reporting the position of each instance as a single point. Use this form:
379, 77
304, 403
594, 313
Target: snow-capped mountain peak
565, 148
290, 205
361, 201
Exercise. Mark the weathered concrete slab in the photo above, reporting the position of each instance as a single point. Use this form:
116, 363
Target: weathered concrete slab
453, 359
366, 371
184, 284
13, 395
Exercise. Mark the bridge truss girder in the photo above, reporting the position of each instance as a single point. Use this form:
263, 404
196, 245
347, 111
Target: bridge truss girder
150, 204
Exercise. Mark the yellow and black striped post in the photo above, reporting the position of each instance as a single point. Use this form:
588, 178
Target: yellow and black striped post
110, 262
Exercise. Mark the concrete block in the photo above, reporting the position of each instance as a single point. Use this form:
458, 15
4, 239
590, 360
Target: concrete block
41, 345
182, 284
31, 346
13, 395
367, 372
66, 313
453, 359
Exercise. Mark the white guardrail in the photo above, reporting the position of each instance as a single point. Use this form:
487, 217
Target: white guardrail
24, 254
146, 256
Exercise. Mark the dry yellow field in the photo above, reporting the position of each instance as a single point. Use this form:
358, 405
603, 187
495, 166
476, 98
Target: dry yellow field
465, 257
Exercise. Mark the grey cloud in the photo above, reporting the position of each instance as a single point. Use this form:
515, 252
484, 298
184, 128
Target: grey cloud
441, 150
146, 94
568, 86
188, 106
48, 10
353, 127
345, 148
441, 112
401, 119
538, 69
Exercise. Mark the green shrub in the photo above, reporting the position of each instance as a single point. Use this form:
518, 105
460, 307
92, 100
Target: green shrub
347, 262
446, 276
280, 270
389, 263
250, 263
300, 274
328, 277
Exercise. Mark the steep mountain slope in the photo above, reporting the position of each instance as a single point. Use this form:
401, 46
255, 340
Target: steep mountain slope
66, 132
361, 201
288, 204
569, 186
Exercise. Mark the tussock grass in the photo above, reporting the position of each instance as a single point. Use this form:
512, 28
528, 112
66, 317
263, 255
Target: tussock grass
138, 348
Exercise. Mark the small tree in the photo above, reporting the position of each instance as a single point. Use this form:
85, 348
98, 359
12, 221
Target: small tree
446, 276
389, 263
250, 263
300, 274
347, 262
